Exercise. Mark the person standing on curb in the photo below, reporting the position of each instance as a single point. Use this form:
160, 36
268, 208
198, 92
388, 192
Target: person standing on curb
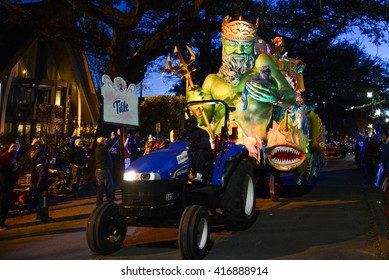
385, 161
42, 189
37, 150
79, 157
6, 184
104, 166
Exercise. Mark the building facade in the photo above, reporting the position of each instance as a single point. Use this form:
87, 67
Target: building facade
45, 85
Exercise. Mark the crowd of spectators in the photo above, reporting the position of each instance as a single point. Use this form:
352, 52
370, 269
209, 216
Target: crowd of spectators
73, 156
368, 154
372, 155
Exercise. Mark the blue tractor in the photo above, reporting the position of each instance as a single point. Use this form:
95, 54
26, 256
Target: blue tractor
157, 191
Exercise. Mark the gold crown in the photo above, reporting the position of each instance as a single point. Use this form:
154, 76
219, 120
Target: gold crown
239, 29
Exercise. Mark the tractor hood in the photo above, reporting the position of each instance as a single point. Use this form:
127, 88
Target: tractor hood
161, 164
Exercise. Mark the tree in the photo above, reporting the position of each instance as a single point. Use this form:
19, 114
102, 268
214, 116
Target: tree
163, 109
130, 34
125, 37
340, 78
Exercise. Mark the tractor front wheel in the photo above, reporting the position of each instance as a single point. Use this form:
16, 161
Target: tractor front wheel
105, 230
194, 233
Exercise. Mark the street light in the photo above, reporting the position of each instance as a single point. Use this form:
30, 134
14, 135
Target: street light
375, 112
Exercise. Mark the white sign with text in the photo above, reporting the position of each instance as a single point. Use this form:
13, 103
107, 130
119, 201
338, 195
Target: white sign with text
120, 105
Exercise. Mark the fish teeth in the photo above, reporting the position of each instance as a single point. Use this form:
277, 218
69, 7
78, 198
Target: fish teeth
285, 149
285, 161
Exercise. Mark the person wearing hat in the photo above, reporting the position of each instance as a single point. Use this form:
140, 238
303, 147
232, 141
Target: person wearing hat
199, 144
104, 164
79, 157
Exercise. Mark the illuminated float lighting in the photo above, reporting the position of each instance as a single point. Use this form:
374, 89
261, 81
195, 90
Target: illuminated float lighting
377, 113
240, 133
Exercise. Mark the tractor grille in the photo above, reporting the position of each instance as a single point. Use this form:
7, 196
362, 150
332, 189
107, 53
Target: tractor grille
150, 193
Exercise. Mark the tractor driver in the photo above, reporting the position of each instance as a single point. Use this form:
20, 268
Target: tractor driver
199, 144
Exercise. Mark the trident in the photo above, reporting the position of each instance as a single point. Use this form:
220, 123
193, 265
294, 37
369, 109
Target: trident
184, 71
183, 68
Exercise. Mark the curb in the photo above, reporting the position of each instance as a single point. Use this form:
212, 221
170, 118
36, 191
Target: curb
379, 222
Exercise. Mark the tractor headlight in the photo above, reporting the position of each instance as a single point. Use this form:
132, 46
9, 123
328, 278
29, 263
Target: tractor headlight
129, 176
134, 176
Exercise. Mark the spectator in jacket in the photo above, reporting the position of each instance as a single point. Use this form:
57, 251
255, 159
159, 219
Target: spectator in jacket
42, 188
370, 159
131, 147
385, 153
6, 183
104, 164
79, 158
385, 161
37, 150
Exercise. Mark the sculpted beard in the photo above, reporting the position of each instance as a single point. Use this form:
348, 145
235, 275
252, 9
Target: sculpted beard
234, 66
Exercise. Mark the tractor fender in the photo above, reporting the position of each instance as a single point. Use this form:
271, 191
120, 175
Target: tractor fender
226, 162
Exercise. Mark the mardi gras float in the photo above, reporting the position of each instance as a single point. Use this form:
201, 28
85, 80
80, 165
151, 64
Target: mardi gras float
265, 86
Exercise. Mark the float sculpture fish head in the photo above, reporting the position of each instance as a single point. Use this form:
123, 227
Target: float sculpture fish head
286, 146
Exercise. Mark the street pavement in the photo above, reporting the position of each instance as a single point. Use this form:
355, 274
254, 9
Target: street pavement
339, 218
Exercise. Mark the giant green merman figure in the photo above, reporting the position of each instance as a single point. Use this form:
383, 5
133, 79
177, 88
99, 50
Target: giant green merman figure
249, 80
